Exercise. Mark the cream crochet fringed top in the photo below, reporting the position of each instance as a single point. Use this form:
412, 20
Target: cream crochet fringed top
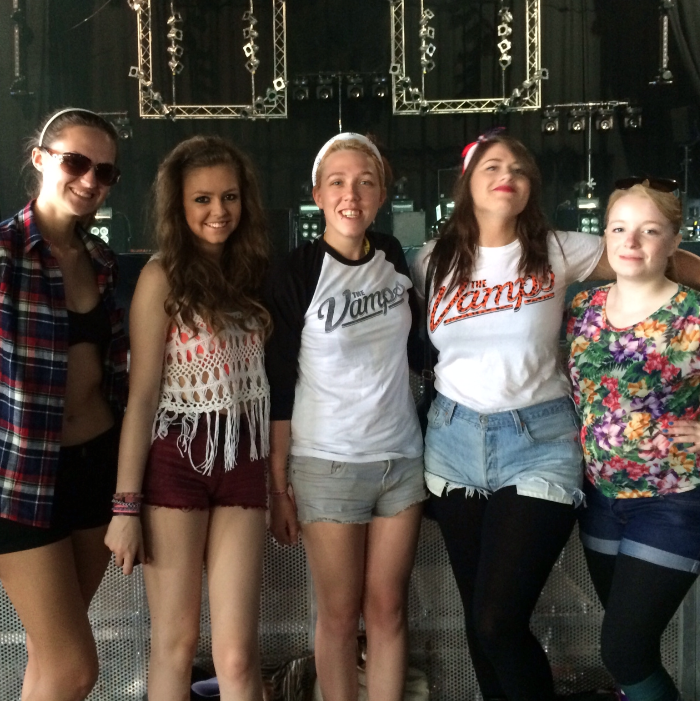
205, 373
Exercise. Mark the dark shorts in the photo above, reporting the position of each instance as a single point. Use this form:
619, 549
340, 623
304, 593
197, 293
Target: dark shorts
171, 480
85, 482
663, 530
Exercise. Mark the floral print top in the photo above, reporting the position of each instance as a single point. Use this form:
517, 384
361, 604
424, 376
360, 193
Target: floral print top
628, 384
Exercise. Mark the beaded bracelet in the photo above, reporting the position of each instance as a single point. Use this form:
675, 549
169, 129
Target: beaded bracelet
122, 507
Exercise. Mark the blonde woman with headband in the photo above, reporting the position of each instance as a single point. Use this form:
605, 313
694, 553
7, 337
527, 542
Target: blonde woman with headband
343, 414
635, 367
62, 391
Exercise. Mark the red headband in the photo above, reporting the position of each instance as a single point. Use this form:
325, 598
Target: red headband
483, 138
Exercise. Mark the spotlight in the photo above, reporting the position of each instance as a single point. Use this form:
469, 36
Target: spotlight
577, 121
324, 88
632, 118
300, 89
355, 89
550, 121
380, 87
605, 120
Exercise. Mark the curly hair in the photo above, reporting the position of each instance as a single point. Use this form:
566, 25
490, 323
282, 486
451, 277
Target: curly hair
55, 124
199, 285
456, 249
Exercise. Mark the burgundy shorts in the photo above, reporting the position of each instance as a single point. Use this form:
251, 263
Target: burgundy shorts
171, 481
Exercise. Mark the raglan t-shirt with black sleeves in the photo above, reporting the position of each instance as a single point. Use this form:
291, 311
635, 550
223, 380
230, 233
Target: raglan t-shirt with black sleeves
498, 334
336, 360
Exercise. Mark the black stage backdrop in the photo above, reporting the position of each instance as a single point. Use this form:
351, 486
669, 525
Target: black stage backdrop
594, 50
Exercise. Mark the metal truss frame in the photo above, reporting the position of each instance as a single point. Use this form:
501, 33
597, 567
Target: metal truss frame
407, 100
270, 105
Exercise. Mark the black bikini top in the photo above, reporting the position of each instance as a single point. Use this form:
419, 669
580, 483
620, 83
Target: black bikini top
91, 327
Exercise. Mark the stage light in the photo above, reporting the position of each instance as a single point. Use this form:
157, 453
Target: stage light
300, 89
605, 120
550, 121
324, 88
380, 87
632, 118
577, 121
355, 89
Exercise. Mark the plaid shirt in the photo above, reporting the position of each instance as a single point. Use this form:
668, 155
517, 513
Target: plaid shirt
34, 363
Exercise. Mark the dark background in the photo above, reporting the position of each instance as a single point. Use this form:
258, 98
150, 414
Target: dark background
594, 49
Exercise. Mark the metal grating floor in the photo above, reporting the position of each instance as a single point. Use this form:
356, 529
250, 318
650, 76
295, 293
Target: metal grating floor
567, 621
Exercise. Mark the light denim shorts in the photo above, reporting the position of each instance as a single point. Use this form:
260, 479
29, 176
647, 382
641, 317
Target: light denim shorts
352, 492
536, 450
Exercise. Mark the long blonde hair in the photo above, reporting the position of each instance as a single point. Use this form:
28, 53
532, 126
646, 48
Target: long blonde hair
199, 285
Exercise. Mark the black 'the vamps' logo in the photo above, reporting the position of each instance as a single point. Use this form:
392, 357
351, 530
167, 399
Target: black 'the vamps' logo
360, 306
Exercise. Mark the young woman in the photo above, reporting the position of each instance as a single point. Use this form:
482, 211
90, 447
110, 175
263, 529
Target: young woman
62, 389
196, 425
502, 457
342, 410
635, 368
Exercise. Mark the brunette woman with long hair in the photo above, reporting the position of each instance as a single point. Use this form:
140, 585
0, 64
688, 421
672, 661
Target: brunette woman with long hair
62, 394
197, 422
502, 453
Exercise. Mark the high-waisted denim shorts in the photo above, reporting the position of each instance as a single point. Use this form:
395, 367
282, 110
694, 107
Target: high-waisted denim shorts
536, 450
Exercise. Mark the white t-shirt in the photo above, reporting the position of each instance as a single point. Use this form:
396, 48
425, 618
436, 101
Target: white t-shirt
498, 335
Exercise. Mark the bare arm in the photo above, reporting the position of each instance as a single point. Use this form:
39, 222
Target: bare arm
283, 512
148, 327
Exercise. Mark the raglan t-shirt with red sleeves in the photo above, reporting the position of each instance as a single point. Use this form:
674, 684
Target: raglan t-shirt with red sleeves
336, 361
498, 334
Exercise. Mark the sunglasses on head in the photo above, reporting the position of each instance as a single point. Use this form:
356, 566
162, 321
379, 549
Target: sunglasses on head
659, 184
76, 164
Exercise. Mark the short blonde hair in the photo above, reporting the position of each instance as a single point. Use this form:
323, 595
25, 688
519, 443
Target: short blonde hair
666, 202
383, 168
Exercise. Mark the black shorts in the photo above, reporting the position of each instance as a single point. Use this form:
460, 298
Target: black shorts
85, 482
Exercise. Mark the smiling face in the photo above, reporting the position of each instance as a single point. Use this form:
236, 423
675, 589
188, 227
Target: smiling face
498, 184
350, 193
67, 195
640, 239
212, 203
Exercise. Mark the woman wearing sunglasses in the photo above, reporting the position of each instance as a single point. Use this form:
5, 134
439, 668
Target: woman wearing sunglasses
502, 457
62, 391
635, 367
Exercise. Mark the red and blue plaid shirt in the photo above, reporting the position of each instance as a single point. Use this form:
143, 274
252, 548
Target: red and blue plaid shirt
34, 363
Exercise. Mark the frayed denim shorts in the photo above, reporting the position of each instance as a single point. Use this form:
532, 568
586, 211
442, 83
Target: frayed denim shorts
351, 492
663, 530
536, 449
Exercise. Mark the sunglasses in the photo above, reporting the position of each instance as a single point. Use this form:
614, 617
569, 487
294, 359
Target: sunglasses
659, 184
76, 164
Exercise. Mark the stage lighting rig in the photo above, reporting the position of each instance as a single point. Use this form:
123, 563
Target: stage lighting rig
605, 120
504, 32
664, 76
174, 36
121, 123
427, 49
300, 88
632, 118
380, 86
355, 89
577, 121
251, 48
550, 121
324, 88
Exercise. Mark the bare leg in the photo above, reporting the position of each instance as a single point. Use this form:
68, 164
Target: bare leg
43, 586
91, 557
336, 554
175, 541
391, 550
234, 572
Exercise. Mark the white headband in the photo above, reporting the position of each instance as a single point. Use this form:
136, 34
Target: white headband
345, 136
58, 114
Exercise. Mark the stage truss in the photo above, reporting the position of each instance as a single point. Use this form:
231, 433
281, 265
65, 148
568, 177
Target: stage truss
272, 104
408, 98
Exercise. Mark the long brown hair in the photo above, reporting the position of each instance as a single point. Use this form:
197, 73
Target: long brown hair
198, 284
456, 249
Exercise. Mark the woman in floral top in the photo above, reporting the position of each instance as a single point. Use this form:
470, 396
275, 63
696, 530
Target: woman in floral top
635, 368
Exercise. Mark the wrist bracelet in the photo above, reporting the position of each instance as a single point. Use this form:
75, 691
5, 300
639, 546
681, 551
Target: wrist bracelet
128, 497
120, 507
278, 492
